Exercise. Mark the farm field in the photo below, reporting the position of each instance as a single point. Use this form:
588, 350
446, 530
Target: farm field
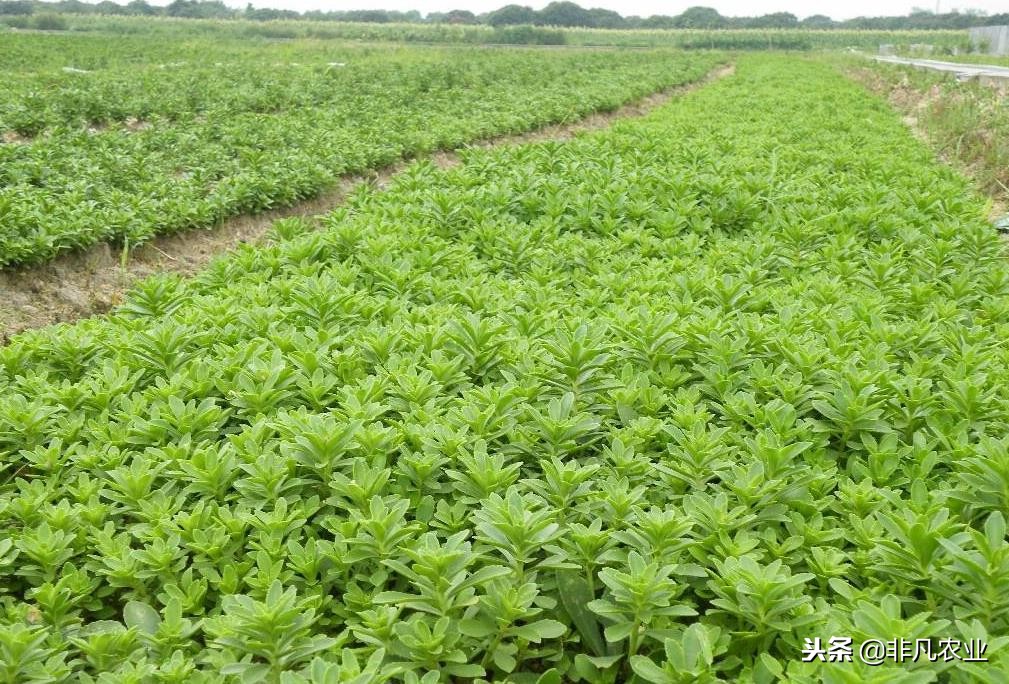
727, 39
110, 142
654, 404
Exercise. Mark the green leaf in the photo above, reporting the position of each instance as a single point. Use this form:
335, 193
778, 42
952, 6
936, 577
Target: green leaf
596, 669
551, 676
575, 596
649, 671
142, 616
605, 662
767, 669
504, 657
247, 672
618, 632
539, 630
465, 670
476, 628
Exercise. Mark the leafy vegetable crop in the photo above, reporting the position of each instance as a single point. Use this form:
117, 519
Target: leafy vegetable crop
119, 150
653, 404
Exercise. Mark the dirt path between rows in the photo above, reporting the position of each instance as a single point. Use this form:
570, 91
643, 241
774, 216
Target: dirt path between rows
93, 281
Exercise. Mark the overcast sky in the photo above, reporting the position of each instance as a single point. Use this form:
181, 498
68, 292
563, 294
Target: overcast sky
838, 9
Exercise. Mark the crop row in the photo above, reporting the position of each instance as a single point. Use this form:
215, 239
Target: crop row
654, 404
270, 135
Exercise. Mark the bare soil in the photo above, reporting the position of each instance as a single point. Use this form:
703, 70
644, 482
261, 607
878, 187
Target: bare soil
12, 138
93, 281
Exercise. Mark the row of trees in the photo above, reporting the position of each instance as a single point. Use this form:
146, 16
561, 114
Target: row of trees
570, 14
561, 13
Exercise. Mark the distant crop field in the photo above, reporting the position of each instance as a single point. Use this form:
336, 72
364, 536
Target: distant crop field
767, 39
715, 394
729, 39
110, 138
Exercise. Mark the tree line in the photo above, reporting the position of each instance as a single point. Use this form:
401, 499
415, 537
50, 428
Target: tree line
562, 13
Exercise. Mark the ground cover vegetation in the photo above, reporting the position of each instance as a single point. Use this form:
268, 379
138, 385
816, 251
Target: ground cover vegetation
654, 404
965, 121
107, 139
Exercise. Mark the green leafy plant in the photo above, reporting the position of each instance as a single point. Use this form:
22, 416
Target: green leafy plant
266, 637
656, 403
